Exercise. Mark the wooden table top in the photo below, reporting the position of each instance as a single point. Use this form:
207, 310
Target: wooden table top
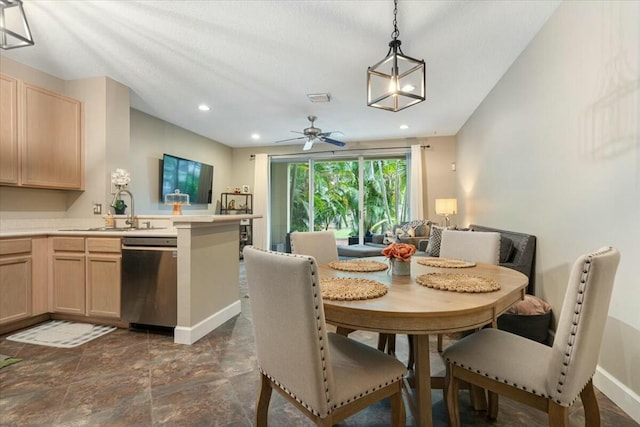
411, 308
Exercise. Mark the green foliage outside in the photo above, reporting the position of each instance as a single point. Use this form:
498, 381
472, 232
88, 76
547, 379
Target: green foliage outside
335, 196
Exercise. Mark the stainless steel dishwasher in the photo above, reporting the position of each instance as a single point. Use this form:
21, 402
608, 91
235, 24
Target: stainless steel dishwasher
149, 281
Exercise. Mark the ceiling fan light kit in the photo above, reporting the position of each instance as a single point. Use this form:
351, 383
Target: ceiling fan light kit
398, 81
14, 28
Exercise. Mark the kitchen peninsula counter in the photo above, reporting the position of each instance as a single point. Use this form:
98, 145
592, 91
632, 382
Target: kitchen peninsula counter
208, 288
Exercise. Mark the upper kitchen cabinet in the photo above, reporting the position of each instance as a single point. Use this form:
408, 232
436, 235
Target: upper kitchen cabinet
8, 130
42, 137
51, 136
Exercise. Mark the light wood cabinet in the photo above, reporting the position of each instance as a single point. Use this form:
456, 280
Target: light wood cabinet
8, 130
86, 276
68, 273
104, 260
51, 140
41, 137
15, 280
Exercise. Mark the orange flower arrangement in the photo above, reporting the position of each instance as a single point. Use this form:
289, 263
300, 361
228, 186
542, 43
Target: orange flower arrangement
399, 251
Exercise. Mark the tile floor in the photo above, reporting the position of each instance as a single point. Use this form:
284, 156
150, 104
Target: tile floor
140, 378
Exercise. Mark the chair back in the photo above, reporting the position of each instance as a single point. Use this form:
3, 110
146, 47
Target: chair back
474, 246
576, 346
289, 326
319, 244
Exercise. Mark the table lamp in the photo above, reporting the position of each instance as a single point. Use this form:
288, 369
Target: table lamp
446, 207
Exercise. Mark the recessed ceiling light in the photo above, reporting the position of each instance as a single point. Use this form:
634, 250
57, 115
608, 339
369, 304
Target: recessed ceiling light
404, 126
204, 107
255, 136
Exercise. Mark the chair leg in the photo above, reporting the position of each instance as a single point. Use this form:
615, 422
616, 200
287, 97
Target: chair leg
590, 404
451, 397
262, 404
558, 415
478, 398
382, 342
492, 412
398, 415
412, 359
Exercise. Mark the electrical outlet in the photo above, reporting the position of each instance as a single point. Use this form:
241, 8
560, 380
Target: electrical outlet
97, 208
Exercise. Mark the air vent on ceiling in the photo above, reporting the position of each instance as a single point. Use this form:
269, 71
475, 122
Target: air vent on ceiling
319, 97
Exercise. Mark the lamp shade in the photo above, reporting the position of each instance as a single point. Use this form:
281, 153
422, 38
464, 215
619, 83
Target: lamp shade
446, 206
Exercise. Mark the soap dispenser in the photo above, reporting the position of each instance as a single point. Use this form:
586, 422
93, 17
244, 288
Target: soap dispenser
109, 221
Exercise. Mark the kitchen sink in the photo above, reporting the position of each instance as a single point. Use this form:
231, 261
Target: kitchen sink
113, 229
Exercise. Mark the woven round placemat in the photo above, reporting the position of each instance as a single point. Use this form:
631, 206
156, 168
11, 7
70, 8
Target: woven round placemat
359, 265
350, 288
458, 282
445, 262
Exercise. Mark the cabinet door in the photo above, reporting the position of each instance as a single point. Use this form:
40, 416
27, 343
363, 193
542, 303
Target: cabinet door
8, 130
15, 288
51, 140
69, 283
103, 285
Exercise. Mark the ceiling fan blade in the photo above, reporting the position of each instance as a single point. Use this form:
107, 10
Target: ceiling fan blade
308, 145
333, 141
334, 132
290, 139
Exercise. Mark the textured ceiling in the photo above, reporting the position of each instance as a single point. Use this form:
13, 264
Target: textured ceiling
254, 62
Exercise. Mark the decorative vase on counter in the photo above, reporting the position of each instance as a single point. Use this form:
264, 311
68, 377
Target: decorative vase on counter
400, 267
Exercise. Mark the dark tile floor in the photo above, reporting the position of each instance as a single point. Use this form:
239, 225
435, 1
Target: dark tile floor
128, 378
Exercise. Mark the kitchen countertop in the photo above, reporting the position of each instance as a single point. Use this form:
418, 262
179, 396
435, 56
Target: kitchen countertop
154, 232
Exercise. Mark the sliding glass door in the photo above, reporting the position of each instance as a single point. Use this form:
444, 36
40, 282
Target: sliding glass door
352, 197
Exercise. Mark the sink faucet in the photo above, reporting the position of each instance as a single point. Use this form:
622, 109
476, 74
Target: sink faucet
131, 219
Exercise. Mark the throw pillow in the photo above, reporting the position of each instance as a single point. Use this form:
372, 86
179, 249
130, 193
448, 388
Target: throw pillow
506, 249
411, 232
389, 238
435, 238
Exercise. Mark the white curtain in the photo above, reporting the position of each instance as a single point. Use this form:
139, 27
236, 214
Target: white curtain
417, 203
261, 201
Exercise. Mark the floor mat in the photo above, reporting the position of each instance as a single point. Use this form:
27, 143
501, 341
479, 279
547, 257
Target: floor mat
7, 360
61, 333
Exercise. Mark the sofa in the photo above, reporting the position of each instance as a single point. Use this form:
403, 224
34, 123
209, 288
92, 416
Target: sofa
411, 232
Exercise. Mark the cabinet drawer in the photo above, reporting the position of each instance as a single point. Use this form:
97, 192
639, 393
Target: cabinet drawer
69, 244
97, 244
18, 246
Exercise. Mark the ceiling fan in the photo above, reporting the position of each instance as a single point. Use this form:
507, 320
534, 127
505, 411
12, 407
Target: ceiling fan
313, 134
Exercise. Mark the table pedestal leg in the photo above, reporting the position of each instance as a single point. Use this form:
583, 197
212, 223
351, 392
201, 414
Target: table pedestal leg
423, 381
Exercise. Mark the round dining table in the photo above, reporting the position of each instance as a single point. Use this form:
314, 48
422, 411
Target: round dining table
411, 308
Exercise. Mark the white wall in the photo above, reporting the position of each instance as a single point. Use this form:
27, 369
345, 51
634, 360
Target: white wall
554, 151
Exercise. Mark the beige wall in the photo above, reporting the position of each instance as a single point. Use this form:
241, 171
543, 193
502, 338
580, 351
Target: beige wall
150, 139
554, 150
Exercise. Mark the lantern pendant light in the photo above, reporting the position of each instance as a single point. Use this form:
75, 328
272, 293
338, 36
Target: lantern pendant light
398, 81
14, 28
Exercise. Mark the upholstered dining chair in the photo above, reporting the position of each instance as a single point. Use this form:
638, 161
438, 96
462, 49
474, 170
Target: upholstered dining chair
473, 246
546, 378
319, 244
327, 376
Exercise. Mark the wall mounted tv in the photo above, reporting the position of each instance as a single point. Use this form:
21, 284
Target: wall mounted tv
188, 176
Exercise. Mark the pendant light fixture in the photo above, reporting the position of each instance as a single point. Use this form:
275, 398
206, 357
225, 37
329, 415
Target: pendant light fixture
14, 29
398, 81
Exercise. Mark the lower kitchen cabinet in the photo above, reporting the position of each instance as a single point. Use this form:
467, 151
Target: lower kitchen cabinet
15, 280
86, 276
68, 267
104, 263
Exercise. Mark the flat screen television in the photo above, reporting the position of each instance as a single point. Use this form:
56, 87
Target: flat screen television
188, 176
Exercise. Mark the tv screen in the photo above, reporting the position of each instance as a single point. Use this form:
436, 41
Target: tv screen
188, 176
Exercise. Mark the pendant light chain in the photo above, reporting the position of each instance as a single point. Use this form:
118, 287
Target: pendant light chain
396, 32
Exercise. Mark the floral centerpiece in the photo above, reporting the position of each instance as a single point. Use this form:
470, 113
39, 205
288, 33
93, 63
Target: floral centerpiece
399, 255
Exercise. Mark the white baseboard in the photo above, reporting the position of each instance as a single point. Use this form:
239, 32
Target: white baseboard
189, 335
620, 394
